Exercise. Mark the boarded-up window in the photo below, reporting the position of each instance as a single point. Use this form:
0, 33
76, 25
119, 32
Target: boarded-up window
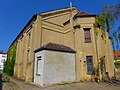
89, 64
87, 35
38, 72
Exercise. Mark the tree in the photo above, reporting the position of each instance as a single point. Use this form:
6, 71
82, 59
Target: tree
115, 9
115, 39
104, 20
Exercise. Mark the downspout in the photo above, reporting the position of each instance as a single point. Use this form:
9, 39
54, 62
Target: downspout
33, 67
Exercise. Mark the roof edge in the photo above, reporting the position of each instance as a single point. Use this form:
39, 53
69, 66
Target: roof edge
44, 47
34, 16
52, 12
93, 15
55, 10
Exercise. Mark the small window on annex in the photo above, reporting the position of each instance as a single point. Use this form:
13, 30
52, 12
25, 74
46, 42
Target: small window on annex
89, 60
38, 72
87, 35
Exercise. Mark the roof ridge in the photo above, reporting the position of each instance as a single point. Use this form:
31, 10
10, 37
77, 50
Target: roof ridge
49, 11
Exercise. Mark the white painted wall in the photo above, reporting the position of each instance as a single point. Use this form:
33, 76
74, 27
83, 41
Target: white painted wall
3, 58
39, 79
58, 67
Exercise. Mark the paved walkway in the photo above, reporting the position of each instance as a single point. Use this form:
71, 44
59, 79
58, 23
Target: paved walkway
21, 85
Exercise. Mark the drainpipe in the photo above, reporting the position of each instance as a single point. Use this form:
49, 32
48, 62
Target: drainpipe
33, 67
76, 67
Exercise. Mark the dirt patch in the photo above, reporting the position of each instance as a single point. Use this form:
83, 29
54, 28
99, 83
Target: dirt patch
16, 84
21, 85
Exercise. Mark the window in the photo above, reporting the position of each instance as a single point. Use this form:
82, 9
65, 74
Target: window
38, 72
87, 35
4, 56
89, 64
3, 60
118, 56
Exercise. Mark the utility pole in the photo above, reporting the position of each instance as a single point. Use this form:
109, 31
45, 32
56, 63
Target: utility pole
71, 17
72, 23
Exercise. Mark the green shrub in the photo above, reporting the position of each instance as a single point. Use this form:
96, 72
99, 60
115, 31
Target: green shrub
10, 62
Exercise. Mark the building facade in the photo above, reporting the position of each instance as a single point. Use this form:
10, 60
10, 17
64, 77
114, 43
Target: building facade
117, 55
3, 57
65, 27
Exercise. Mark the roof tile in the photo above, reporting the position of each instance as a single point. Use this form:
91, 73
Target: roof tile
55, 47
83, 14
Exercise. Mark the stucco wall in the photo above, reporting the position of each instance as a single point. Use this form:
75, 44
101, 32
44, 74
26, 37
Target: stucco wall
104, 48
51, 29
39, 79
60, 18
51, 36
84, 49
57, 67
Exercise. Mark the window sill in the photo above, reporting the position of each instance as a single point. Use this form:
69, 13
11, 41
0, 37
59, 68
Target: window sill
38, 75
89, 73
89, 42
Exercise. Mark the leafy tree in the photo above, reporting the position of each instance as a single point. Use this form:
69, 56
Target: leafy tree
105, 20
115, 38
115, 9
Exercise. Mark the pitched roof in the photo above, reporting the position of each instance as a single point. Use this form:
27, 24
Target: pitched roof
84, 14
2, 52
80, 14
55, 47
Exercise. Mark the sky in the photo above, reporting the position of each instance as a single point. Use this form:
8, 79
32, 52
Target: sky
14, 14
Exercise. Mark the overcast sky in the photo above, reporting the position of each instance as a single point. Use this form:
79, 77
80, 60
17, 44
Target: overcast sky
14, 14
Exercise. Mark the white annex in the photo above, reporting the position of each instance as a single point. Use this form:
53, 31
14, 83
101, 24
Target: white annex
53, 64
3, 57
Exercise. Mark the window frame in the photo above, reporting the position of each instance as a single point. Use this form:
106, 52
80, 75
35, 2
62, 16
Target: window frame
89, 64
39, 58
87, 38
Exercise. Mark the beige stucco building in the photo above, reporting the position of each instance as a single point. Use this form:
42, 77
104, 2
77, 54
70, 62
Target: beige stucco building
65, 27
